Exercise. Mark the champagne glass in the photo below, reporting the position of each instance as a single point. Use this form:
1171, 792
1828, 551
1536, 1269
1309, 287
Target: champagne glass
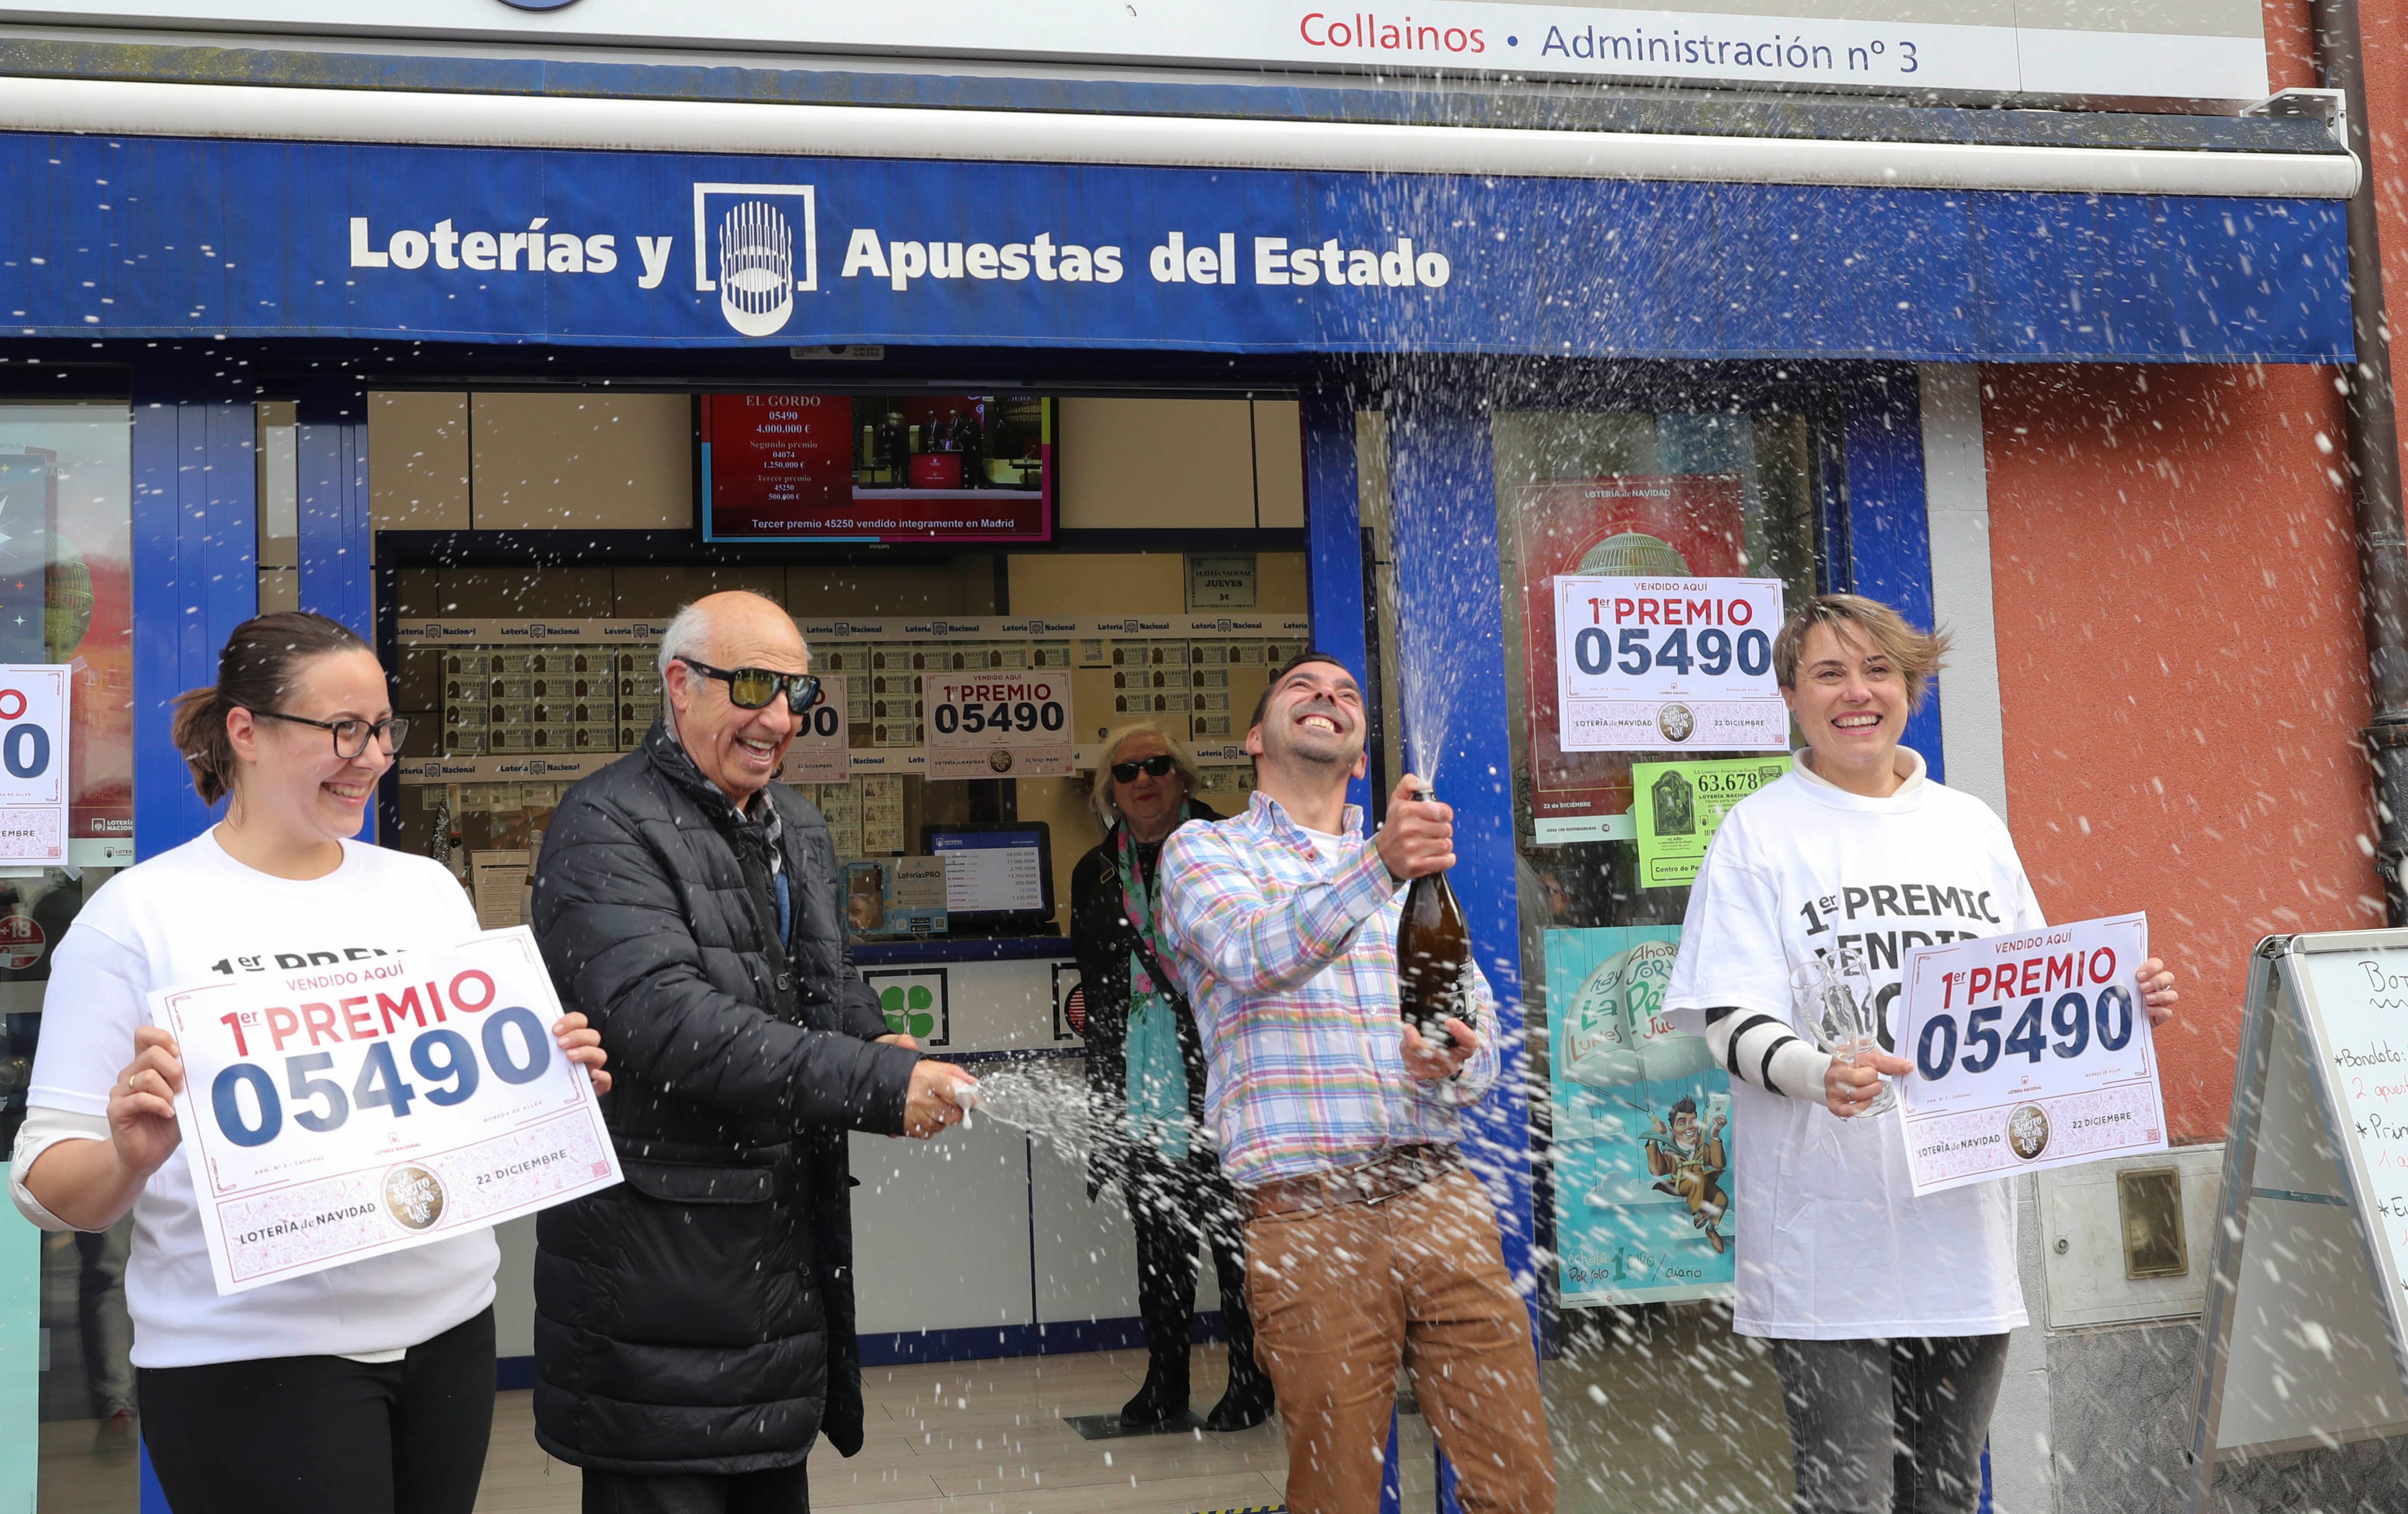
1858, 1009
1813, 1005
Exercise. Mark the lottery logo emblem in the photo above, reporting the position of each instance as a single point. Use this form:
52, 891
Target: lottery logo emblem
999, 759
756, 268
2028, 1131
1677, 721
755, 246
414, 1197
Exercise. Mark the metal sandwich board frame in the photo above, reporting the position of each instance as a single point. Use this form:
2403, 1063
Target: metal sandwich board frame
2300, 1290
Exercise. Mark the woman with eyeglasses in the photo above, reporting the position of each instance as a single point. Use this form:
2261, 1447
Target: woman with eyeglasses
368, 1386
1145, 1073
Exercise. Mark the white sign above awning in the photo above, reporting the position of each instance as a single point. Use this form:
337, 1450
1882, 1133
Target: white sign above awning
2124, 48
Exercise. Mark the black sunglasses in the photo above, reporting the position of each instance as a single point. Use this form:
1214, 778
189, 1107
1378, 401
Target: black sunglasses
352, 737
1158, 765
749, 688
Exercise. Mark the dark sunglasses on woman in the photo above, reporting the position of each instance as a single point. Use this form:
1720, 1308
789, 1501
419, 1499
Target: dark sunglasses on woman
1158, 765
749, 688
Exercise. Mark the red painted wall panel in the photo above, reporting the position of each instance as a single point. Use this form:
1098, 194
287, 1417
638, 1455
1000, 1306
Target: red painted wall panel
2181, 670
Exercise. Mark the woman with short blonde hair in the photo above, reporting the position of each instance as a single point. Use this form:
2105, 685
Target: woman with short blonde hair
1886, 1314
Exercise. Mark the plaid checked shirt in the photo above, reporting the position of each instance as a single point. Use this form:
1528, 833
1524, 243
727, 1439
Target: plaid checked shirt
1289, 957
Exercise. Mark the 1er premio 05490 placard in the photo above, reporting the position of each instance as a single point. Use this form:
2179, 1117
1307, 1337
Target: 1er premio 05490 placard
340, 1112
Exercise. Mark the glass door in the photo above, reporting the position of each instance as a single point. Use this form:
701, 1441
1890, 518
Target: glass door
1655, 1402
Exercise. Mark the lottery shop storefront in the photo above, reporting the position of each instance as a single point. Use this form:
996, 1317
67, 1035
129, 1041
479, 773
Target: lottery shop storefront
1025, 415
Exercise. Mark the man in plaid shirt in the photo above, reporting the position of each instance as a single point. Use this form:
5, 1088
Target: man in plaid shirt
1370, 1241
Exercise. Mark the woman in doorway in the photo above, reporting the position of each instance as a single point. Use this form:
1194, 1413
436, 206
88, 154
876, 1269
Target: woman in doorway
1887, 1314
367, 1387
1145, 1070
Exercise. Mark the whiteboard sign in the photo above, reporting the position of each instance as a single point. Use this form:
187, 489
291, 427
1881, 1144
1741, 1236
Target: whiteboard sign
34, 763
2031, 1051
2304, 1347
1668, 665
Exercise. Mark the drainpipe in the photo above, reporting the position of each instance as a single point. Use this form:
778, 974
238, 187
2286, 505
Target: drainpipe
2373, 451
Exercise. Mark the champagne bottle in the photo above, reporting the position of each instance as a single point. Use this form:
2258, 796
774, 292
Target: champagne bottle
1433, 956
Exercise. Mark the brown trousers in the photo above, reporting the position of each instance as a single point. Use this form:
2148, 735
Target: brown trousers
1339, 1295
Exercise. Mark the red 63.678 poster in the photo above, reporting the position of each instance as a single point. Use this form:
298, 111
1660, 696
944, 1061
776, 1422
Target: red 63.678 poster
340, 1112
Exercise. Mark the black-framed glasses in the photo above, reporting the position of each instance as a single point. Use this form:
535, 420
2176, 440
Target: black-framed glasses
749, 688
1157, 765
352, 737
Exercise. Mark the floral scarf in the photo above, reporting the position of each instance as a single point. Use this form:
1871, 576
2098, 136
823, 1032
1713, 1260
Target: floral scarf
1157, 1070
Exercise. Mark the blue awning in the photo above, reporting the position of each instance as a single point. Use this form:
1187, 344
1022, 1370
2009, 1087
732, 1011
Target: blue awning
166, 236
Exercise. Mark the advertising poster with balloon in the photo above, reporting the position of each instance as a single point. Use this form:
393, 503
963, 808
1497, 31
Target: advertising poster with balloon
1641, 1126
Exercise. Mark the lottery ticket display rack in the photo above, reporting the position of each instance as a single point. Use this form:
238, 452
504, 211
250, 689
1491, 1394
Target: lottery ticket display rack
2305, 1346
524, 707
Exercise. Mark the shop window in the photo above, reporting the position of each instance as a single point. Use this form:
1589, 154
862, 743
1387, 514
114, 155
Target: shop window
65, 513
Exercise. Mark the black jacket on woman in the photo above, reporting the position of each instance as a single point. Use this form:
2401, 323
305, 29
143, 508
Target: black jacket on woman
1101, 936
699, 1317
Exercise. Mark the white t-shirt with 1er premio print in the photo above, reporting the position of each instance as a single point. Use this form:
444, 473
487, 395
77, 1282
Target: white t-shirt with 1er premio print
1832, 1243
195, 915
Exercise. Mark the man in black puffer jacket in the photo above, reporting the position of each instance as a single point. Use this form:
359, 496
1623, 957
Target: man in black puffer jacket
693, 1326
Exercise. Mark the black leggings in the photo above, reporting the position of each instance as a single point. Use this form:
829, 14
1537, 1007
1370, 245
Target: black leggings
309, 1434
1171, 1205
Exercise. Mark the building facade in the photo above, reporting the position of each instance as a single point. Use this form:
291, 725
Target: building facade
1275, 328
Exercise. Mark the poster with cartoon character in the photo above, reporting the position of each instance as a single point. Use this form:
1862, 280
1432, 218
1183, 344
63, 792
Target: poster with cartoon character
1641, 1126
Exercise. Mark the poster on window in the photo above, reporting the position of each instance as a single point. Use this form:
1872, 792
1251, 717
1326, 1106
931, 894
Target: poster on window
988, 725
340, 1110
1641, 1126
1668, 665
1680, 806
66, 597
35, 739
1617, 525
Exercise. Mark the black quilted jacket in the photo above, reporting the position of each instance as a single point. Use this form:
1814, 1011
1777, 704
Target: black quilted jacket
698, 1318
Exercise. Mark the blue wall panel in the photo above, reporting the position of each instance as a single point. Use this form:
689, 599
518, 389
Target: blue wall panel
1889, 526
195, 572
1334, 539
1450, 629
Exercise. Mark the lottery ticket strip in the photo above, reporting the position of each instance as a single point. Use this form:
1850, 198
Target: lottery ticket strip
527, 707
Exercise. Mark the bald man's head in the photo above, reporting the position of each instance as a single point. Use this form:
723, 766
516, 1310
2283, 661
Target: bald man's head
739, 749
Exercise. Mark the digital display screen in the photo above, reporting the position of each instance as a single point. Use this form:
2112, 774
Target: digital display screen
877, 467
992, 872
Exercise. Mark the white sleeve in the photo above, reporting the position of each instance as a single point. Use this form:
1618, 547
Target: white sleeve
1731, 954
1767, 1053
43, 1129
98, 997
